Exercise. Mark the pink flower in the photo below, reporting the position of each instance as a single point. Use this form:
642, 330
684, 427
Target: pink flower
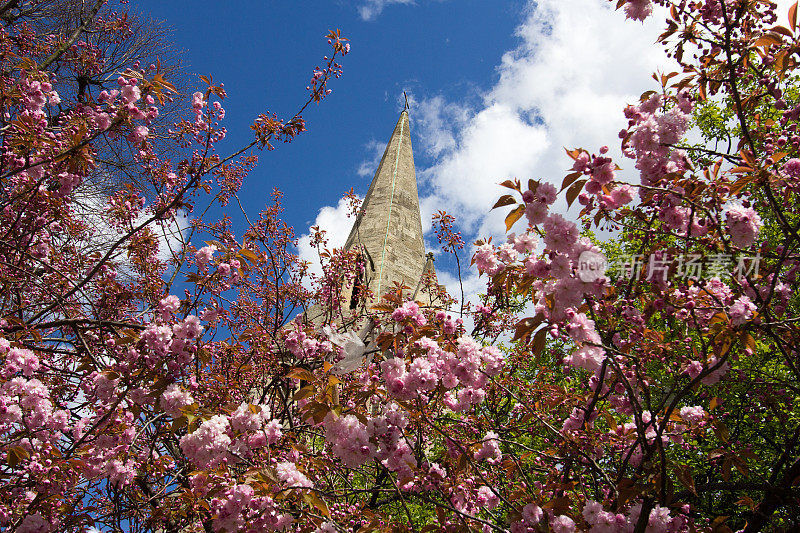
175, 398
102, 121
562, 524
120, 474
130, 93
486, 260
208, 445
168, 306
659, 520
622, 195
410, 310
536, 212
231, 506
591, 511
140, 133
692, 415
532, 514
204, 255
546, 193
506, 253
20, 360
273, 431
523, 243
581, 162
560, 234
291, 476
672, 125
743, 223
741, 311
34, 523
487, 498
349, 439
198, 101
490, 449
638, 9
792, 167
190, 328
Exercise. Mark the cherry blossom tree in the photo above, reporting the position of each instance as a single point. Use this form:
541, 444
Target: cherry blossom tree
194, 392
119, 407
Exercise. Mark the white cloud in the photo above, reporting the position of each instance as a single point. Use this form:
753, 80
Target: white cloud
436, 122
374, 150
335, 222
370, 9
577, 65
566, 83
90, 202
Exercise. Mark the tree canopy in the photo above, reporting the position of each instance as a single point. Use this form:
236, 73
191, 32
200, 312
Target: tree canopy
642, 383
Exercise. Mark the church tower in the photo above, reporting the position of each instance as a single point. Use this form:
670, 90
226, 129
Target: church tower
388, 230
389, 227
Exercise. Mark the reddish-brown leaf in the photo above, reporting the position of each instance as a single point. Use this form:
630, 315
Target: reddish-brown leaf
570, 179
509, 184
684, 475
301, 373
526, 326
513, 216
539, 341
574, 190
504, 200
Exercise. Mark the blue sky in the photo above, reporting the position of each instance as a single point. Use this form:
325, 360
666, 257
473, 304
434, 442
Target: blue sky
264, 52
497, 87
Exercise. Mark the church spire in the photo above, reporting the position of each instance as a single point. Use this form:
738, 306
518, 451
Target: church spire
389, 228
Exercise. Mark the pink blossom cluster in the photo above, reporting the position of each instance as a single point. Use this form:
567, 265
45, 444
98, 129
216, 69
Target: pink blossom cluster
237, 508
303, 345
26, 403
601, 171
741, 311
174, 343
203, 256
469, 367
17, 360
349, 439
743, 225
660, 521
651, 134
582, 331
291, 477
381, 438
208, 445
537, 202
490, 449
109, 456
174, 399
693, 414
409, 310
227, 438
203, 131
638, 9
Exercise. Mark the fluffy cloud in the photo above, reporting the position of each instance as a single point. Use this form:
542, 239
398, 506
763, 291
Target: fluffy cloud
89, 204
565, 84
336, 224
375, 151
370, 9
577, 64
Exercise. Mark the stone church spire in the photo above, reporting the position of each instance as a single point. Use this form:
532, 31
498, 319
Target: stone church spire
387, 234
389, 228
